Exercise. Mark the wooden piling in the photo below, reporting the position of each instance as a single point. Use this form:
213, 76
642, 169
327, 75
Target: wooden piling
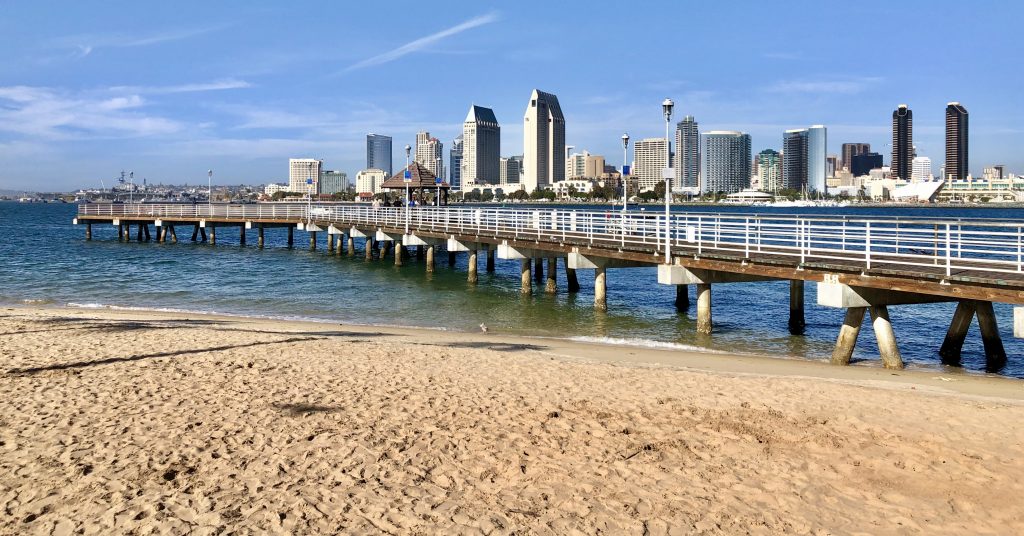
953, 344
538, 270
351, 245
213, 235
430, 258
241, 235
174, 235
490, 258
886, 337
526, 284
797, 324
202, 232
472, 277
682, 297
195, 232
88, 231
291, 236
600, 289
995, 354
704, 322
847, 340
312, 240
260, 240
551, 286
572, 284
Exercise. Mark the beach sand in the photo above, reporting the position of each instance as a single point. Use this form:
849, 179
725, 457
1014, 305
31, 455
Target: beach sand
142, 422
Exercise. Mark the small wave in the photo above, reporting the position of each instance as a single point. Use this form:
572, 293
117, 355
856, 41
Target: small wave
644, 343
37, 301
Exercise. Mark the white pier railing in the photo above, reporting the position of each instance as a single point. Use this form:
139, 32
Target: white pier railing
948, 246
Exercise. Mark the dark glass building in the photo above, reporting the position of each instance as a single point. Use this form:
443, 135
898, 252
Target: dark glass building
852, 149
902, 142
378, 153
861, 164
956, 141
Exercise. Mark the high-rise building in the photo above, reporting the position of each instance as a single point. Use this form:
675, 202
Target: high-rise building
648, 162
769, 169
726, 161
378, 152
332, 182
956, 141
921, 169
370, 181
455, 164
304, 175
687, 159
850, 150
863, 163
576, 165
430, 153
832, 165
902, 142
794, 159
817, 158
543, 142
593, 166
481, 147
510, 170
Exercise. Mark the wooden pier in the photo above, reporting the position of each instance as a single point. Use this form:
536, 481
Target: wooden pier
863, 265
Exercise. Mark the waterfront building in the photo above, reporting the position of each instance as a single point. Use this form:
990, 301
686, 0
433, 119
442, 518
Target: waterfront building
862, 164
593, 166
995, 172
304, 175
956, 141
378, 152
455, 164
272, 189
794, 159
726, 161
481, 147
769, 170
687, 158
648, 162
370, 181
921, 169
510, 170
430, 153
543, 142
576, 165
831, 165
817, 155
850, 150
332, 182
902, 142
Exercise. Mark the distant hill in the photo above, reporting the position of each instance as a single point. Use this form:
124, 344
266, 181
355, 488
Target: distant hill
14, 193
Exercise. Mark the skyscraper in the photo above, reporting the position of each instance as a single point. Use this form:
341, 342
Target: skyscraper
455, 164
304, 175
956, 141
769, 168
817, 158
852, 149
726, 161
794, 158
378, 152
543, 142
863, 163
902, 142
332, 182
648, 162
687, 159
510, 170
921, 169
481, 147
430, 153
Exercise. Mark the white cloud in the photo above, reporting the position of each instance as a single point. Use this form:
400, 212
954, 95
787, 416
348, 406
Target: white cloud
423, 42
218, 85
843, 87
45, 113
86, 44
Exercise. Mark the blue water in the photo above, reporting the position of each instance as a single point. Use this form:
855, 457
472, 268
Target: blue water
44, 259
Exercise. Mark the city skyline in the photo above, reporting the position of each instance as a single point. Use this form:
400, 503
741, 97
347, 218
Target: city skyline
171, 93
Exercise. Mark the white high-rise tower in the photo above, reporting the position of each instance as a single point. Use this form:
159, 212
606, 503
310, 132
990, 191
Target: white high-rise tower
481, 147
543, 142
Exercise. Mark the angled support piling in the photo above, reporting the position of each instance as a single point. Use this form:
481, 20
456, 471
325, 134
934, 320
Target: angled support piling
847, 340
195, 232
995, 354
953, 344
886, 337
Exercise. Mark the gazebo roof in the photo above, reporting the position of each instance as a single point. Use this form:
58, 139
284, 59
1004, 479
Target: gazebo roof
422, 178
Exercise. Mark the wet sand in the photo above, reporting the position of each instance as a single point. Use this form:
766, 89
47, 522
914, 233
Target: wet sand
141, 422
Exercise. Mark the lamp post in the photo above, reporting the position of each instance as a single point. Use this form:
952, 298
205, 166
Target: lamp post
407, 177
209, 190
625, 187
309, 192
666, 107
131, 187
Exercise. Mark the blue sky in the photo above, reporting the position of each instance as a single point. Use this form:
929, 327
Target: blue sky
170, 90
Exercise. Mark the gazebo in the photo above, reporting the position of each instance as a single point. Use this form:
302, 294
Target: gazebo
422, 179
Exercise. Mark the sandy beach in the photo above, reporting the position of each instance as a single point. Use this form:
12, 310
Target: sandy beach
173, 423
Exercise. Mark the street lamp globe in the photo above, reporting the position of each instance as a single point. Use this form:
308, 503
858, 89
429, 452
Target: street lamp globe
625, 141
666, 107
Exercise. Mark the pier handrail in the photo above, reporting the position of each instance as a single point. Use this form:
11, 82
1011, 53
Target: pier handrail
913, 244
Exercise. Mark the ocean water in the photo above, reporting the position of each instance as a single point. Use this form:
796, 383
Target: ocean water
46, 260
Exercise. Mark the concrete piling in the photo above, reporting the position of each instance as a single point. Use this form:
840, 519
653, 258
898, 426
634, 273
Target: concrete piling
351, 245
202, 232
847, 340
341, 244
88, 231
797, 324
213, 235
259, 236
160, 230
472, 277
368, 246
399, 253
887, 347
704, 322
538, 270
174, 235
600, 289
451, 258
572, 284
195, 232
995, 354
330, 243
145, 232
419, 252
682, 297
430, 258
526, 284
385, 247
138, 233
551, 286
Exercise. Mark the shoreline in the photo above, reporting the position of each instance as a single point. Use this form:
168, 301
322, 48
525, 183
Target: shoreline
679, 357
